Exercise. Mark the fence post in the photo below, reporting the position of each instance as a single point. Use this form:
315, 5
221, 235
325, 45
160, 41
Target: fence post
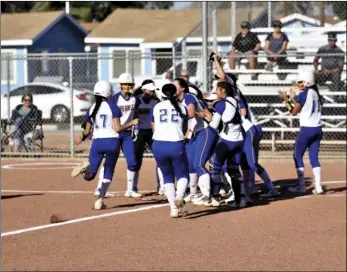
233, 20
72, 145
204, 46
184, 55
173, 60
273, 142
8, 87
269, 15
214, 29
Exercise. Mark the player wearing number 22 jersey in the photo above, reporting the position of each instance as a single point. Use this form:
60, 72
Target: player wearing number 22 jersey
168, 121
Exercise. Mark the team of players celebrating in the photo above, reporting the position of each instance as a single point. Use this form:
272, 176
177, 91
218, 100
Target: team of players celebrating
185, 131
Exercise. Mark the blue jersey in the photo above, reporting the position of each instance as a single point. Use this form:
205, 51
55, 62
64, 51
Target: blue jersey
189, 99
144, 110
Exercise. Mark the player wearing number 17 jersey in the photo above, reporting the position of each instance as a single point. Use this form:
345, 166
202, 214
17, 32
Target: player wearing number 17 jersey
104, 118
308, 104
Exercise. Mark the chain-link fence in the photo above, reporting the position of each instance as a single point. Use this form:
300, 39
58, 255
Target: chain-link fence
60, 86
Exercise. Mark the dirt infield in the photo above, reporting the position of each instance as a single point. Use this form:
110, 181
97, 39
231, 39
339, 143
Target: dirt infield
291, 233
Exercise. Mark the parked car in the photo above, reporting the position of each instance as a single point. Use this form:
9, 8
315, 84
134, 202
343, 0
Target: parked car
53, 99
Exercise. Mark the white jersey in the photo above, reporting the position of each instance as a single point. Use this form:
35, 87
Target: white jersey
103, 123
168, 123
191, 99
127, 106
227, 111
249, 120
310, 114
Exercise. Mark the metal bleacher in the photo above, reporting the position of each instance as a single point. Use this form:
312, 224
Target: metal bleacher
278, 125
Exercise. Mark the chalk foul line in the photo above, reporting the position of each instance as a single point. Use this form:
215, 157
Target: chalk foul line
83, 219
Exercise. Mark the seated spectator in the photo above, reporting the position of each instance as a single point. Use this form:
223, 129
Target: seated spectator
24, 119
276, 45
246, 42
331, 66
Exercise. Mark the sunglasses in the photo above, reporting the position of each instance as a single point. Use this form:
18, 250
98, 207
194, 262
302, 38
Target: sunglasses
184, 75
27, 100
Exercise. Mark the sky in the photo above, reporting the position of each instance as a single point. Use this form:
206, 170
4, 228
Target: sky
181, 5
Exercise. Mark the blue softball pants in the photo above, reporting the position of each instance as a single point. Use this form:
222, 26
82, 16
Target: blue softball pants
171, 158
308, 137
103, 147
200, 149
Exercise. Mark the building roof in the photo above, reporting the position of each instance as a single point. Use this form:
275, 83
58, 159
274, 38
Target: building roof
162, 26
23, 28
88, 26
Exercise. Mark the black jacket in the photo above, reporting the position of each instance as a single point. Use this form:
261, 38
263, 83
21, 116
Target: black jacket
29, 121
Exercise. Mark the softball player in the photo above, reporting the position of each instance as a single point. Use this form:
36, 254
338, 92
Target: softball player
127, 104
168, 149
253, 136
148, 100
308, 104
200, 146
104, 118
229, 146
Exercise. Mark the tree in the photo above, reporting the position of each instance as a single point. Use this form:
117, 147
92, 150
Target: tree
84, 11
340, 9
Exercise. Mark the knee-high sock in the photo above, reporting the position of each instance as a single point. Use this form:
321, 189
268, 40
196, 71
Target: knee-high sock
136, 180
105, 184
130, 180
182, 185
265, 177
101, 177
317, 172
170, 194
160, 177
249, 178
193, 183
228, 178
204, 180
301, 178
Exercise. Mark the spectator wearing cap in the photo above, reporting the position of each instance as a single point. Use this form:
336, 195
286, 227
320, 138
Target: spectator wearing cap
275, 46
331, 66
245, 43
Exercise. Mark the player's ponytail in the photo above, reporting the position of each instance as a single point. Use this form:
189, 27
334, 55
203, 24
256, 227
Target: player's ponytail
315, 88
243, 99
169, 90
98, 101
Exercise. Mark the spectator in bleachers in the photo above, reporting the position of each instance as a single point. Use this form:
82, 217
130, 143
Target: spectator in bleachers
331, 66
24, 119
275, 46
245, 43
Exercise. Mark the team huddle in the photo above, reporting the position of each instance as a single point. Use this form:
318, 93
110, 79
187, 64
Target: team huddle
186, 132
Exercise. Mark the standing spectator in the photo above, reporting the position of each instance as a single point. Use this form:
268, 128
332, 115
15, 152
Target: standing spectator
275, 45
246, 42
185, 75
331, 66
24, 119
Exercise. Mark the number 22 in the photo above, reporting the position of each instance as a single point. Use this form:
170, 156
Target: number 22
164, 116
